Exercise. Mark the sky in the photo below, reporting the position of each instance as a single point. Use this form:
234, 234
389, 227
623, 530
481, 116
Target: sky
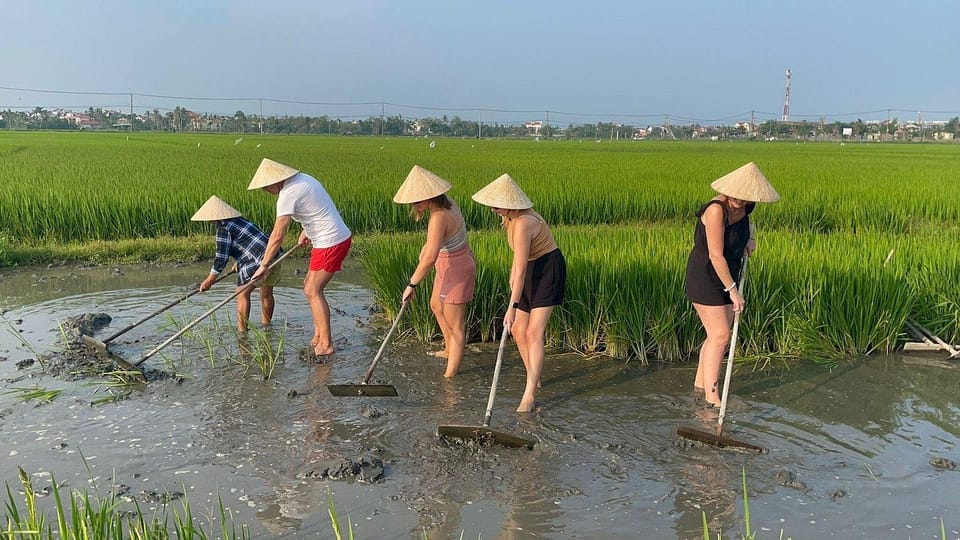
494, 60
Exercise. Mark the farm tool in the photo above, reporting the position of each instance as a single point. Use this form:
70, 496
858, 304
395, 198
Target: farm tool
364, 388
483, 433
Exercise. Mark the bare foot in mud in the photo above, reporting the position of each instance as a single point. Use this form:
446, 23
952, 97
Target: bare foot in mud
440, 354
527, 406
322, 352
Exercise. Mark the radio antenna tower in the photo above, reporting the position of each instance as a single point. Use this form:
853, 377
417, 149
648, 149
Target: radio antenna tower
786, 100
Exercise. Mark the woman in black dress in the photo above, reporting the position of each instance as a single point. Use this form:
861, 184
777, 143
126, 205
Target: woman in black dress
722, 236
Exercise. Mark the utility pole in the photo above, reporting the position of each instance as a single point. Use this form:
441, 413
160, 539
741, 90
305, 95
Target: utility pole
887, 129
479, 124
131, 111
260, 117
381, 119
548, 121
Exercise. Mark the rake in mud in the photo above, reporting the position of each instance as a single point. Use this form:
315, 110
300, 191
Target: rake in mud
717, 438
484, 434
135, 366
101, 348
364, 388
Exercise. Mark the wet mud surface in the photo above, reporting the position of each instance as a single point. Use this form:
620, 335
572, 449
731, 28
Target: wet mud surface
840, 444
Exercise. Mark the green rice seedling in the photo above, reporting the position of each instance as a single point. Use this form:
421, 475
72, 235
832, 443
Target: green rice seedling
33, 522
60, 194
81, 515
268, 349
805, 296
12, 330
335, 522
112, 396
746, 504
41, 395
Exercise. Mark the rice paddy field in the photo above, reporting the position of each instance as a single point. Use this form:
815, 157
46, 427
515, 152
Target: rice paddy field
822, 286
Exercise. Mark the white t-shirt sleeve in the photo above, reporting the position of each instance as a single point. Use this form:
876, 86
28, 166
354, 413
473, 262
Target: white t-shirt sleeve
286, 203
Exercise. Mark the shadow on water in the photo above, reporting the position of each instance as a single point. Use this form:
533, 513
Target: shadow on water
842, 443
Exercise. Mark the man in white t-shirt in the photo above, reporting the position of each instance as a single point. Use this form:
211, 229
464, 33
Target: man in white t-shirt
301, 198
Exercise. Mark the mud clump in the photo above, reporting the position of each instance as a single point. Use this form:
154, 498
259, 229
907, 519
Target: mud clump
24, 364
368, 411
943, 464
683, 443
74, 361
86, 324
366, 470
788, 479
71, 358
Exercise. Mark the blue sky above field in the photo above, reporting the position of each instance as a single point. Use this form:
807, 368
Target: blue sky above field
620, 60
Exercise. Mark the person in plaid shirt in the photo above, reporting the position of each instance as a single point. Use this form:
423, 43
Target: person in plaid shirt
239, 238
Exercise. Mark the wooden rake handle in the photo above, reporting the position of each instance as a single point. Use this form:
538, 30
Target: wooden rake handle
249, 285
383, 346
733, 347
161, 310
496, 378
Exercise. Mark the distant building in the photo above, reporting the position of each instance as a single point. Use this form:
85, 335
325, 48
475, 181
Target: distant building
534, 127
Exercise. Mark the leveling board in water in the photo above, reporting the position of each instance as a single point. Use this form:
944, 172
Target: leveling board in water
484, 435
369, 390
720, 441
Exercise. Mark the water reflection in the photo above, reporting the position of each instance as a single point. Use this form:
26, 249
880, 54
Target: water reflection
605, 465
706, 488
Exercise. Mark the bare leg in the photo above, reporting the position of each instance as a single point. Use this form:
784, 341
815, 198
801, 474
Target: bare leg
313, 289
267, 304
534, 325
716, 321
436, 305
243, 310
454, 314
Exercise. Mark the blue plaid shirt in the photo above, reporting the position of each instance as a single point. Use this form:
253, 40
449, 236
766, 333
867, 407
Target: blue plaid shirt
242, 240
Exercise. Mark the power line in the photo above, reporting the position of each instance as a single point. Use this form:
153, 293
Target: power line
557, 115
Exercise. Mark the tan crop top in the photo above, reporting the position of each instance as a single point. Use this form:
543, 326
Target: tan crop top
542, 242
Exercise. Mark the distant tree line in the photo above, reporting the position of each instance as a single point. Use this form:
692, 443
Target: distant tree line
181, 119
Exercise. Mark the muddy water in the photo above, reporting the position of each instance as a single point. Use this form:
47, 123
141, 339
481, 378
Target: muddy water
851, 452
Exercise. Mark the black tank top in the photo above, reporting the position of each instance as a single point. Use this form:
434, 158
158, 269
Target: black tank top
735, 237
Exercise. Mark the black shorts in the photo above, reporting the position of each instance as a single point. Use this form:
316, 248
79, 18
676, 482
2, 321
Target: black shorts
544, 281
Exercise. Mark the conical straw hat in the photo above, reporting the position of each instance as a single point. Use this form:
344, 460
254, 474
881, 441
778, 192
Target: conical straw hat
503, 193
746, 183
270, 172
214, 210
420, 185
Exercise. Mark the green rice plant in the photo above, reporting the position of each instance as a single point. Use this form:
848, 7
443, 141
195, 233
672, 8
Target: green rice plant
335, 522
41, 395
5, 259
265, 353
67, 187
87, 517
806, 296
13, 331
746, 504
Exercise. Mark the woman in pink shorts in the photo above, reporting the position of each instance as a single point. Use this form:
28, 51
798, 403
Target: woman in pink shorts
446, 250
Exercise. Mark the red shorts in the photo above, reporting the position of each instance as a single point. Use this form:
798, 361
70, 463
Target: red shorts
330, 259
